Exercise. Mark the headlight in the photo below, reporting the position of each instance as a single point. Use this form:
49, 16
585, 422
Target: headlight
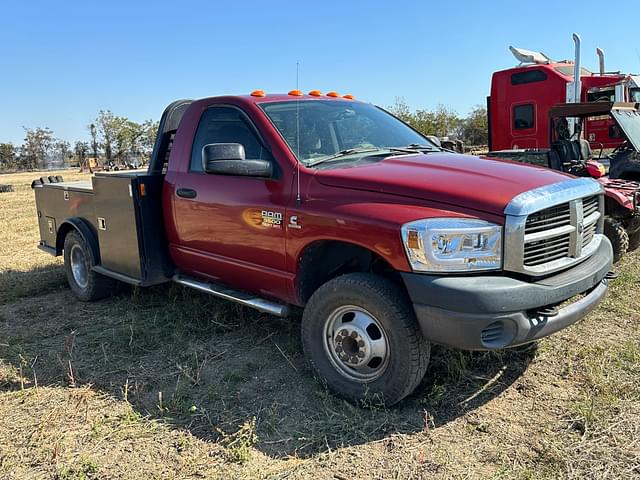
453, 245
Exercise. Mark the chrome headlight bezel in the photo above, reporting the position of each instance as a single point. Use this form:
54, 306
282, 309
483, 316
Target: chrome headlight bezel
472, 244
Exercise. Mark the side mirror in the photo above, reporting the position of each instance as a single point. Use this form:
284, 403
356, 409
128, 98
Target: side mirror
229, 159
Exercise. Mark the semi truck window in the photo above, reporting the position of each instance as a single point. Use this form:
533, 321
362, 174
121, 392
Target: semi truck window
225, 125
602, 96
523, 117
530, 76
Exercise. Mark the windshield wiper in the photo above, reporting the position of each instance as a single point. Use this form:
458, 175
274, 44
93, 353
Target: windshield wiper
344, 153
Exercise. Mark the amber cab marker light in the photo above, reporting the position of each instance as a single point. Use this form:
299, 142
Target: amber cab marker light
333, 94
348, 96
296, 93
315, 93
258, 93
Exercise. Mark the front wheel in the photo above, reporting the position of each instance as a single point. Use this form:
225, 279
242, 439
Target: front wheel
360, 335
618, 236
634, 241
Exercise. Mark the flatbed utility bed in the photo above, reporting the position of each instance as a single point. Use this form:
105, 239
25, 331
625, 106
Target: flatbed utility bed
77, 186
122, 211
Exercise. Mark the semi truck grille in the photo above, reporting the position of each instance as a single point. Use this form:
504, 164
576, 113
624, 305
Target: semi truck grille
561, 231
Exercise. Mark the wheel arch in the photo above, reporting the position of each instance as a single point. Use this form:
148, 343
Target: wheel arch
322, 260
84, 230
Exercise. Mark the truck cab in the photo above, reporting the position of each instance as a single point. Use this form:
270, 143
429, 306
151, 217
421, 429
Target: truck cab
333, 205
521, 97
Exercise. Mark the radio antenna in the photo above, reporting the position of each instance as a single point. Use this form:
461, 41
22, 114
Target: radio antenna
298, 200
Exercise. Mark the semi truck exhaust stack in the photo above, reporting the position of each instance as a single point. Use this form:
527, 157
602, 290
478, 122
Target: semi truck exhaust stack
600, 53
577, 84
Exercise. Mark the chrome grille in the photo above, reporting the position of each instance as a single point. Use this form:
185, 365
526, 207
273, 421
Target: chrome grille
548, 218
550, 228
552, 234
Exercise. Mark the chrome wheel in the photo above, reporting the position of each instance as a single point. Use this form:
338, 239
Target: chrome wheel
79, 267
356, 344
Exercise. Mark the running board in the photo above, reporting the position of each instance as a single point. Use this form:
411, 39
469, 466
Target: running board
242, 298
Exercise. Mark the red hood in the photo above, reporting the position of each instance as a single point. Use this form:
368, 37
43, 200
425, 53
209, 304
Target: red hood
479, 183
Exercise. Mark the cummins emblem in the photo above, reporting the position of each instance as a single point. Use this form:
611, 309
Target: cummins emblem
293, 222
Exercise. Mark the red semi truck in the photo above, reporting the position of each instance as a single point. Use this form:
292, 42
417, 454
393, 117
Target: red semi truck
521, 97
334, 205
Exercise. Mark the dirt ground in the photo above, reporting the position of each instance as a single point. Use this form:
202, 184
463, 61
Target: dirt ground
169, 383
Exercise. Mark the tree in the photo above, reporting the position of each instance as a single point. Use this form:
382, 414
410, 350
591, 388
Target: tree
36, 147
107, 126
474, 128
93, 131
80, 150
63, 150
441, 122
7, 156
148, 138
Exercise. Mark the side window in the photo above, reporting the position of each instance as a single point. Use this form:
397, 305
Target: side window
529, 76
225, 125
523, 117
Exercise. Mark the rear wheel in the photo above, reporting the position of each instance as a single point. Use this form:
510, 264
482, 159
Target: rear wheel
360, 335
86, 284
615, 232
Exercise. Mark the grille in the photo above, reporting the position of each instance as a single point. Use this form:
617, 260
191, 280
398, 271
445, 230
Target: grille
560, 231
590, 206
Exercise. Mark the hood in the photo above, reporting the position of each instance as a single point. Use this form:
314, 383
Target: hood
483, 184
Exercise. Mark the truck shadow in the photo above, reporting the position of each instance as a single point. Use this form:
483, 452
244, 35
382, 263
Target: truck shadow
220, 370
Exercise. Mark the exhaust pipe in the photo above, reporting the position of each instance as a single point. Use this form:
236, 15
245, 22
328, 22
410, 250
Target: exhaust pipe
577, 84
600, 53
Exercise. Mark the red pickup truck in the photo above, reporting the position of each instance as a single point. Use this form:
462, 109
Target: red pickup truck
334, 205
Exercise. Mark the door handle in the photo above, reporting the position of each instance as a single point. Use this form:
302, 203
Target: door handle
186, 193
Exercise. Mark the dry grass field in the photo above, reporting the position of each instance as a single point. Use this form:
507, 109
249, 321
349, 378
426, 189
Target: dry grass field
169, 383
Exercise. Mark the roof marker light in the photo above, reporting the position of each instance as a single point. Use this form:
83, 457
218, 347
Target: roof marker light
315, 93
258, 93
333, 94
348, 96
296, 93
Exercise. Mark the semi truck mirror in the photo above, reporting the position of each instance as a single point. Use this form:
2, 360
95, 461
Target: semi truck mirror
229, 159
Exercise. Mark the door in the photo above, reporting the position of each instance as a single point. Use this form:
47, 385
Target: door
231, 228
523, 126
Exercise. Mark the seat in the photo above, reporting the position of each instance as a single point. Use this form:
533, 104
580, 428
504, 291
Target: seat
585, 150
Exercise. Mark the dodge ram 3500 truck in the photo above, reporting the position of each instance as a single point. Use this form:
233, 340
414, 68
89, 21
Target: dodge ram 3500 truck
331, 204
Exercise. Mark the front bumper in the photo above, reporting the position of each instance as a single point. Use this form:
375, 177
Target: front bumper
492, 312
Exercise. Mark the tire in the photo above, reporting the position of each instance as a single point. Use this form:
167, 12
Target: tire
388, 350
615, 232
86, 284
634, 242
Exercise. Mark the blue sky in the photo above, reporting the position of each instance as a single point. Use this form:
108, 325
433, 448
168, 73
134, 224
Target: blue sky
62, 61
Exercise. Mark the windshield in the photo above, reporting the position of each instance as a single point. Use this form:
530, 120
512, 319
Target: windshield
629, 121
329, 129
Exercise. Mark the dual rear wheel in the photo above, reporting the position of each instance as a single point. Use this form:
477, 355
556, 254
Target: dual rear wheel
79, 260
